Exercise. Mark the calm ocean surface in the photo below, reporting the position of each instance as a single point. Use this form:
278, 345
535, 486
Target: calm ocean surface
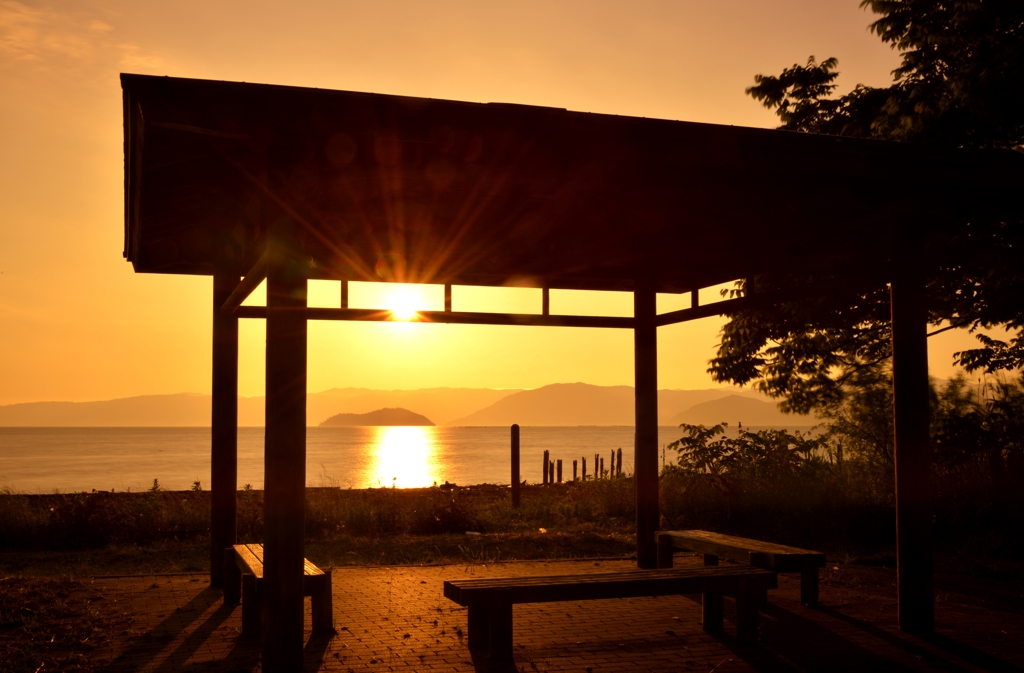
40, 460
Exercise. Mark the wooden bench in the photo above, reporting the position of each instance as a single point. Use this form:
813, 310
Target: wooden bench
243, 580
490, 600
774, 557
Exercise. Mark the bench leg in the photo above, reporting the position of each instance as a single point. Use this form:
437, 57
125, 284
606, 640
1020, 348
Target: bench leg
665, 550
809, 586
232, 578
748, 595
711, 618
322, 604
500, 619
252, 617
478, 628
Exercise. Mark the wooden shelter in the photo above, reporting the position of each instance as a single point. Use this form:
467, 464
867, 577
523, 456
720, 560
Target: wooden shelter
246, 182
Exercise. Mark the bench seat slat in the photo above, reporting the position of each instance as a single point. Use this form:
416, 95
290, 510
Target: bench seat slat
248, 561
544, 589
777, 557
484, 582
250, 557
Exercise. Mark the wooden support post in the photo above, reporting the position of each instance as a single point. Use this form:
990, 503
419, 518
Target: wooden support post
250, 597
551, 472
558, 471
515, 465
574, 468
601, 470
748, 597
232, 578
666, 552
584, 466
284, 459
645, 459
545, 468
223, 426
500, 627
618, 463
448, 298
912, 450
344, 294
597, 466
479, 627
545, 301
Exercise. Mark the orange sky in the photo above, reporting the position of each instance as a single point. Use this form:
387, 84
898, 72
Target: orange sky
77, 324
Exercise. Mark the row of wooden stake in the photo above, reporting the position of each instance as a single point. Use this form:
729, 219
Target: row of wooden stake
552, 469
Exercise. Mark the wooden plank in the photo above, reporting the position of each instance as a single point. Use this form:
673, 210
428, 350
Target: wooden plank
242, 290
606, 577
601, 586
310, 569
247, 561
779, 558
453, 317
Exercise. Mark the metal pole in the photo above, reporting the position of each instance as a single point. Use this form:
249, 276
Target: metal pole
223, 426
645, 459
912, 449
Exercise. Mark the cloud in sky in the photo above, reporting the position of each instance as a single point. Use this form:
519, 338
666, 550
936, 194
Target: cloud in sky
51, 38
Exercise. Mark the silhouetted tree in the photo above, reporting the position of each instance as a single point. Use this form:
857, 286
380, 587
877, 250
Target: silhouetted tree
960, 84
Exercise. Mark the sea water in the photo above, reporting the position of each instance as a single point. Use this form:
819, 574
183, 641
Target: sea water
43, 460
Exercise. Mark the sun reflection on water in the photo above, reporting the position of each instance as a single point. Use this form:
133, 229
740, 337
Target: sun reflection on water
404, 456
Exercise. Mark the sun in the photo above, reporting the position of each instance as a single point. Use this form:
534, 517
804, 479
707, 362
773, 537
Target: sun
402, 304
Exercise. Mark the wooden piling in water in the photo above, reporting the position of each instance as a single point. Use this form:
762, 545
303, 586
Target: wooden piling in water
551, 472
545, 475
618, 462
584, 459
558, 470
515, 465
601, 470
574, 470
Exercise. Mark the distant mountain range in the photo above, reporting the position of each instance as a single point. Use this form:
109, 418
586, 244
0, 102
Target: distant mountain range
566, 404
585, 404
378, 417
735, 409
193, 409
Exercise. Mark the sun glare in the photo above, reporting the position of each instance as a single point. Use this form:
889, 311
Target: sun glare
404, 456
402, 304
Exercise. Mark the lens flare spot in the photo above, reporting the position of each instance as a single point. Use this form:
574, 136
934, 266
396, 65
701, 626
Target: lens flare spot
403, 304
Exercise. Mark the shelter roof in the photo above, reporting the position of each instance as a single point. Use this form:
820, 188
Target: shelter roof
382, 187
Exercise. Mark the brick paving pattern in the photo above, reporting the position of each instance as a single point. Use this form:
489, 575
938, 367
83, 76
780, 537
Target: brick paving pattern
396, 619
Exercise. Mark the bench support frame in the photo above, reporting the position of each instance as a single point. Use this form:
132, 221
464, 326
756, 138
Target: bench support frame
667, 544
242, 585
490, 613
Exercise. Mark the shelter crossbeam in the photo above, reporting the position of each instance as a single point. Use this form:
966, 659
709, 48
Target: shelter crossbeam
451, 317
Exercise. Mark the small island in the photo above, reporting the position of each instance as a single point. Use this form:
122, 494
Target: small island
396, 416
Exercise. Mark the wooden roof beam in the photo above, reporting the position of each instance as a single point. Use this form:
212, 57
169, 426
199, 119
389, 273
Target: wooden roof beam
452, 317
256, 275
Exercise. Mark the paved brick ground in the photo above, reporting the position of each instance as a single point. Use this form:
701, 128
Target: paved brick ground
396, 619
